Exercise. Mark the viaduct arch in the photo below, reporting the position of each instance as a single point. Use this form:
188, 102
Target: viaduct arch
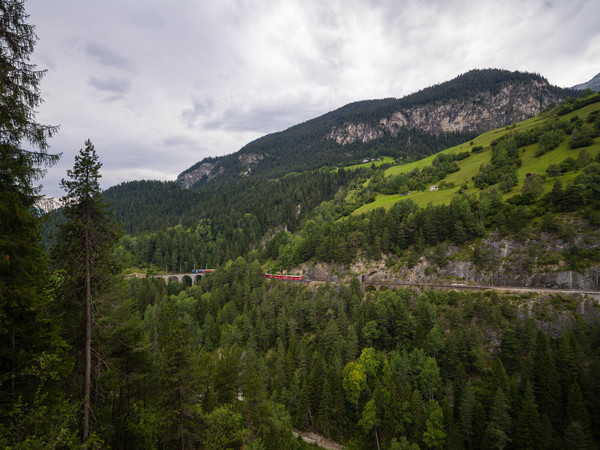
189, 279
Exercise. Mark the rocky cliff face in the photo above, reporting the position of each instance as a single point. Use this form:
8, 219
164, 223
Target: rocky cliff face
479, 113
248, 161
187, 179
207, 171
534, 263
553, 312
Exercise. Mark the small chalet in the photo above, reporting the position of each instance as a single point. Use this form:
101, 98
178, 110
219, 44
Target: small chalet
433, 187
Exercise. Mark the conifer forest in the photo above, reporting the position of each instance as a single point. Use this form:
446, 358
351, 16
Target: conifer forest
97, 351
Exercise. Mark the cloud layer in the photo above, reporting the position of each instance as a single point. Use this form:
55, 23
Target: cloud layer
157, 86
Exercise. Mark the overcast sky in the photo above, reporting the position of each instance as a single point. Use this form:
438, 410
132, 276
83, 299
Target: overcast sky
158, 85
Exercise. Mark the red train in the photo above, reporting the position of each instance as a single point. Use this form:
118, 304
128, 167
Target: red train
279, 276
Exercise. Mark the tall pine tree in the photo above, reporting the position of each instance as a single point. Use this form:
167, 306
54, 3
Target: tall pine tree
85, 251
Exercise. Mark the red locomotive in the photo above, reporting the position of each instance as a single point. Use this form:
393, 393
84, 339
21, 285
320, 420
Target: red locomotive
279, 276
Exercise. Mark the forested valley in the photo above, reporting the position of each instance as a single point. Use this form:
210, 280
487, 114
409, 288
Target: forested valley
312, 216
97, 353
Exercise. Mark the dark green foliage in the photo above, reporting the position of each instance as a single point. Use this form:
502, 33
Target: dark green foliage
417, 180
177, 378
549, 141
533, 186
504, 163
394, 230
32, 354
572, 104
582, 192
466, 415
284, 352
85, 242
553, 170
498, 431
582, 136
151, 205
434, 435
528, 433
228, 221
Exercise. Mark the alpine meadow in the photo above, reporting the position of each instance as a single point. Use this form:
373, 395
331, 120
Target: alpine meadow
404, 273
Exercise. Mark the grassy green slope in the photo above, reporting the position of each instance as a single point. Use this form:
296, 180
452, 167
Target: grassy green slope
384, 160
470, 166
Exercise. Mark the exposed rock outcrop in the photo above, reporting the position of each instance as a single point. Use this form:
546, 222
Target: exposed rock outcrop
209, 170
479, 113
248, 162
553, 312
188, 179
534, 263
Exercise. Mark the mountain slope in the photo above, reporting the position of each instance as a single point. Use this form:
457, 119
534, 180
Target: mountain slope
502, 181
593, 84
570, 115
507, 208
253, 181
411, 127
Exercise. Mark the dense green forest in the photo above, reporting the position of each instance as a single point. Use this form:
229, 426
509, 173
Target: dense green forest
279, 202
242, 359
91, 359
146, 206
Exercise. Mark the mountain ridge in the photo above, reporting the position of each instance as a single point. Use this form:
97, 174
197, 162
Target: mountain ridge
593, 84
409, 127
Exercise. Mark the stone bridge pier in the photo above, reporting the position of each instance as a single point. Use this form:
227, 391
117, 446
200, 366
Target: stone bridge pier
180, 278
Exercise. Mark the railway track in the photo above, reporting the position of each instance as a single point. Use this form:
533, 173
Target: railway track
463, 286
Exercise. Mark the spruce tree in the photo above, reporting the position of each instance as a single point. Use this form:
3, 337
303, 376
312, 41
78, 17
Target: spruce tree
85, 252
497, 433
466, 413
434, 435
529, 425
28, 335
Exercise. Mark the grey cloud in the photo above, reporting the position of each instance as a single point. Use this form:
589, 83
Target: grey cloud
179, 141
112, 85
265, 118
108, 57
149, 19
259, 67
201, 107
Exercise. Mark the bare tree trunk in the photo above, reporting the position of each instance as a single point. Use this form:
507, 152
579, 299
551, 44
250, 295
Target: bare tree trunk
13, 349
88, 340
181, 410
